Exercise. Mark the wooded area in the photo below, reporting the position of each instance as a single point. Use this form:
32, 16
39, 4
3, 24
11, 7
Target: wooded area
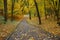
11, 8
37, 11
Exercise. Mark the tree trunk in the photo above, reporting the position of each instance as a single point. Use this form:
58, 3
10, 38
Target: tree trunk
58, 16
5, 10
37, 11
12, 9
29, 15
45, 10
29, 10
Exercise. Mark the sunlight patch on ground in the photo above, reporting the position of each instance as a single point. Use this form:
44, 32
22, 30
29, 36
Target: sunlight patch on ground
26, 15
31, 38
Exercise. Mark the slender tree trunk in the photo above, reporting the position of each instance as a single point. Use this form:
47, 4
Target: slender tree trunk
12, 9
37, 11
45, 10
58, 18
29, 15
29, 11
5, 10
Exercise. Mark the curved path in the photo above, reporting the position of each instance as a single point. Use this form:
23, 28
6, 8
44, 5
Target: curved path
26, 31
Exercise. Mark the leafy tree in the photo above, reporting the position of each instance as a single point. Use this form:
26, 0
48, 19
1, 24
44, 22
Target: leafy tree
37, 11
58, 12
5, 10
29, 10
55, 5
29, 14
12, 11
45, 10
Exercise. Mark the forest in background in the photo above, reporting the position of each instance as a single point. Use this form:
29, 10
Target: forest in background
13, 9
